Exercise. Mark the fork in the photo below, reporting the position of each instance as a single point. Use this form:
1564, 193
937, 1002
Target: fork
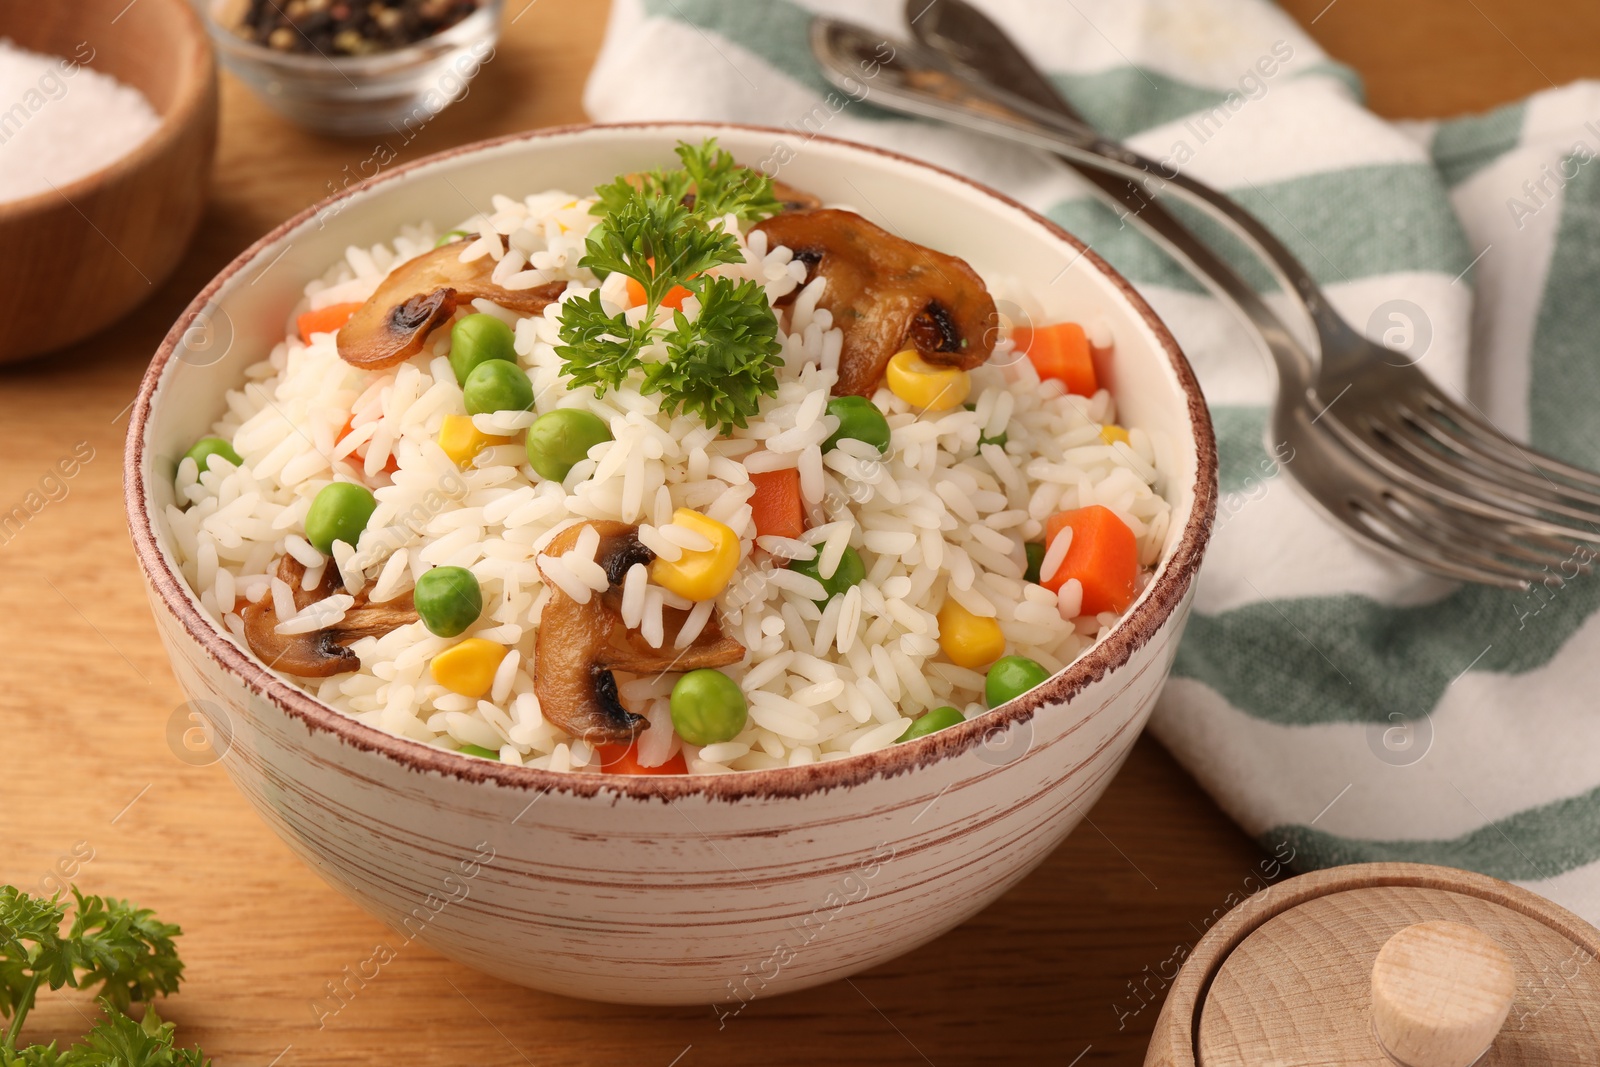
1400, 465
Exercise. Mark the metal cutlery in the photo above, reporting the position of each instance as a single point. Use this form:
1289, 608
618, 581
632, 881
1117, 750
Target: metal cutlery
1400, 464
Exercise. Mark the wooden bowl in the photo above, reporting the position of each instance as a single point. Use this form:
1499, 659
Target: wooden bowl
77, 259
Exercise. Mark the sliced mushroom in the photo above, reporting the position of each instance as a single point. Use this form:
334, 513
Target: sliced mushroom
320, 653
886, 292
421, 295
580, 645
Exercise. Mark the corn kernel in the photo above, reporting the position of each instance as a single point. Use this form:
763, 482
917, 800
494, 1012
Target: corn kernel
925, 386
970, 641
468, 668
699, 575
461, 440
1111, 433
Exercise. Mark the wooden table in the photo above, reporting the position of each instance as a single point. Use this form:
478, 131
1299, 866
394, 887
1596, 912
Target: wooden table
1071, 963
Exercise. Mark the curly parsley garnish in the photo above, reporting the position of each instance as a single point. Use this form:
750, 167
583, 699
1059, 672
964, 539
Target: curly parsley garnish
718, 185
663, 229
126, 951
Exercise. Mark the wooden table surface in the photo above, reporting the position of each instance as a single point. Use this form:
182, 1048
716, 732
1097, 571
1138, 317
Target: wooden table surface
1071, 963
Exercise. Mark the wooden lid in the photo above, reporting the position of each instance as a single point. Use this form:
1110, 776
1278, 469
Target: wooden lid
1441, 992
1378, 964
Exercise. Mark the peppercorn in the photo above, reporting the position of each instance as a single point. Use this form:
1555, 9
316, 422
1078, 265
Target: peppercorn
342, 28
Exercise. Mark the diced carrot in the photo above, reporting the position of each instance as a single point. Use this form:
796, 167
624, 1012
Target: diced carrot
324, 320
1060, 351
674, 298
1103, 557
349, 424
624, 759
776, 504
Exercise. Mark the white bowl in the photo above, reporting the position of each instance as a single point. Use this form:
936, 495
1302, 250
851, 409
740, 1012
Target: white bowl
688, 889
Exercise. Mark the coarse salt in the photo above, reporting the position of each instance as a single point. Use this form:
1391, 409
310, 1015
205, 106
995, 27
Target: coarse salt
61, 121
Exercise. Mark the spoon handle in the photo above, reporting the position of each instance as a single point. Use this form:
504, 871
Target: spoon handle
992, 110
921, 84
978, 48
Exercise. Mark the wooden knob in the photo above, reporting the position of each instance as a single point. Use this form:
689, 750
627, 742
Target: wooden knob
1440, 993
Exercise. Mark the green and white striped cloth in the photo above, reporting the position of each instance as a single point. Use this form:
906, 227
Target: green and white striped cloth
1324, 697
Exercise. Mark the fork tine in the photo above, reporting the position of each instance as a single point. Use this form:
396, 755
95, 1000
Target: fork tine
1567, 550
1494, 462
1490, 479
1444, 496
1429, 525
1540, 551
1378, 529
1479, 434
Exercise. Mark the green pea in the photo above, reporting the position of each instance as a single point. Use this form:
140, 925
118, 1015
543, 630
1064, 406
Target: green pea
859, 420
448, 600
202, 451
477, 339
339, 513
849, 572
998, 439
1035, 552
707, 707
444, 239
479, 751
558, 440
497, 386
1010, 677
931, 723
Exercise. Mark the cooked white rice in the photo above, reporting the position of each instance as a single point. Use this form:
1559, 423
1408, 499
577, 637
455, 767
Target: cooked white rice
938, 516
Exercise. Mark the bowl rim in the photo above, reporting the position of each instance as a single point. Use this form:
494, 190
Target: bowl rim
1148, 615
196, 83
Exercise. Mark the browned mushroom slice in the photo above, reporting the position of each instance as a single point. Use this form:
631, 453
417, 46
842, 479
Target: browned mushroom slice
420, 295
710, 648
321, 653
886, 292
580, 645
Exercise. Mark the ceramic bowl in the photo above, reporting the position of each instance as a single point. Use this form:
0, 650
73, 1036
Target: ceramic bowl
689, 889
89, 252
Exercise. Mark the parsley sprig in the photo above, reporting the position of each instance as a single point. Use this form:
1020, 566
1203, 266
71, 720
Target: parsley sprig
717, 365
124, 951
719, 185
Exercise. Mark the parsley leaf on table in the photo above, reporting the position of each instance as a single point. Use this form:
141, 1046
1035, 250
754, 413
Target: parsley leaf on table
124, 950
31, 950
34, 1056
119, 1041
127, 950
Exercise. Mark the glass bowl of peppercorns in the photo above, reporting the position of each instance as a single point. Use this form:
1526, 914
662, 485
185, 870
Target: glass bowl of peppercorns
352, 67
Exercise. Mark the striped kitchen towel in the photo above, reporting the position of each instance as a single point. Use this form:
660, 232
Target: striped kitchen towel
1326, 698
